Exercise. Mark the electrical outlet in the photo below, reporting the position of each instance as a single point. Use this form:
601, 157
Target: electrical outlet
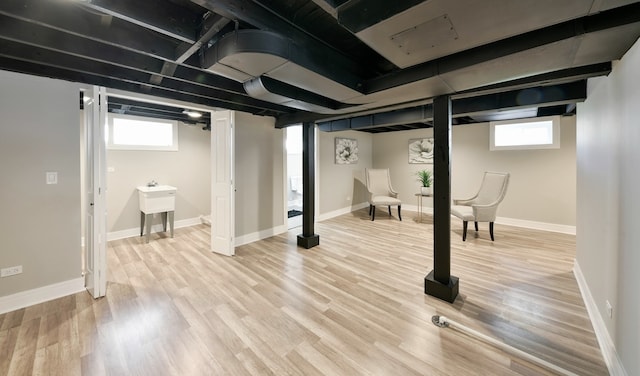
12, 270
52, 177
609, 310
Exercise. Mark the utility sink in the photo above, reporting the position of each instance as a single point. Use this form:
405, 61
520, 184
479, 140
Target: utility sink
156, 199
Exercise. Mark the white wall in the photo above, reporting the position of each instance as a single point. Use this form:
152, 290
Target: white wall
188, 169
40, 224
341, 187
259, 169
542, 185
609, 208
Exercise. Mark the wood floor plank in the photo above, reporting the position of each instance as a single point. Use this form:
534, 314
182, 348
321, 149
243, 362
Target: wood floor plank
24, 354
8, 339
354, 305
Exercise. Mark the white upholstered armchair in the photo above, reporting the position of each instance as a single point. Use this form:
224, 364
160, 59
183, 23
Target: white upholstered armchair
381, 192
483, 206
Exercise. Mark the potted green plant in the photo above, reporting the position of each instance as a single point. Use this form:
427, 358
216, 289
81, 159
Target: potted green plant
425, 177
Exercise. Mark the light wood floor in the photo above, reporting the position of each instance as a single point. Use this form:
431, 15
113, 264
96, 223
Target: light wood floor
352, 306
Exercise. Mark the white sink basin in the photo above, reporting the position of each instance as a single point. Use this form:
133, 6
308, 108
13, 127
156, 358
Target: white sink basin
158, 199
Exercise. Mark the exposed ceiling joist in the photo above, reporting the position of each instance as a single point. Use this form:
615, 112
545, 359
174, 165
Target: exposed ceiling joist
328, 68
72, 18
170, 19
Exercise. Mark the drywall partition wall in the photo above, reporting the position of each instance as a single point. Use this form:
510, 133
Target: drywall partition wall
40, 225
342, 187
187, 169
258, 162
608, 205
542, 184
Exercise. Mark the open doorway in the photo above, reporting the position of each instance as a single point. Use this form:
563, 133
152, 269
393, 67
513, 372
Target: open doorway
186, 167
294, 176
152, 144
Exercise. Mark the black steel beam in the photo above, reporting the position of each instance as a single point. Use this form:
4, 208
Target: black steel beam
73, 63
530, 97
308, 238
552, 110
607, 19
439, 282
540, 96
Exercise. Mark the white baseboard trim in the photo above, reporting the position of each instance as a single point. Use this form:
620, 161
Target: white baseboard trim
607, 346
565, 229
553, 227
339, 212
255, 236
130, 232
41, 294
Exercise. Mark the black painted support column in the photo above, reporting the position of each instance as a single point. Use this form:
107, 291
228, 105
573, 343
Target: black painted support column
308, 238
439, 282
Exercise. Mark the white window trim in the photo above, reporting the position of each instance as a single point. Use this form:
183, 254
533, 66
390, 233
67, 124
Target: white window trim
112, 146
556, 134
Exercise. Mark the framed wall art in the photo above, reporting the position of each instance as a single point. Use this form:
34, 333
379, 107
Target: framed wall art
421, 150
346, 150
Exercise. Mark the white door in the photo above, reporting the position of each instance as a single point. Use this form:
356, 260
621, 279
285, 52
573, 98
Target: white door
222, 204
95, 277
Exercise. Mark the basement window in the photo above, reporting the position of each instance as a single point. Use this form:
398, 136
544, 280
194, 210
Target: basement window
135, 133
534, 133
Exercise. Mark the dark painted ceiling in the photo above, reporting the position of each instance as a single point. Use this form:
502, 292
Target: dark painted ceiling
348, 64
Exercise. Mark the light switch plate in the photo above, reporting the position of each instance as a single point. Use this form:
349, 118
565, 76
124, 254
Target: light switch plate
52, 178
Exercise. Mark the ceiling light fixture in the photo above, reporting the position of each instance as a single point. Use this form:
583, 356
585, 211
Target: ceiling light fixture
192, 114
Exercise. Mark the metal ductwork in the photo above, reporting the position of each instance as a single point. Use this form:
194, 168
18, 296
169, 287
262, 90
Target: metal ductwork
273, 69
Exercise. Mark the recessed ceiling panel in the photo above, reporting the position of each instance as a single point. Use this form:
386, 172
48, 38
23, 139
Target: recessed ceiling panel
474, 22
431, 34
543, 59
